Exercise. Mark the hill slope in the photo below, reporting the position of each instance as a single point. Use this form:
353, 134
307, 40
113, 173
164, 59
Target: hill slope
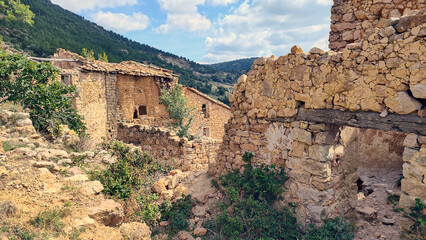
56, 27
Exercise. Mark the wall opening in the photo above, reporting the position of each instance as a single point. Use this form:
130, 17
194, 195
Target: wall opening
66, 79
372, 168
206, 132
135, 114
143, 110
205, 110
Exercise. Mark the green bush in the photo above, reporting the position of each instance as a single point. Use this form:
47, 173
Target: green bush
264, 182
246, 212
176, 106
418, 228
34, 86
177, 214
332, 229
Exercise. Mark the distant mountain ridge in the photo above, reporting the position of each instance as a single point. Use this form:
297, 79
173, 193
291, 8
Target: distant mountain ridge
56, 27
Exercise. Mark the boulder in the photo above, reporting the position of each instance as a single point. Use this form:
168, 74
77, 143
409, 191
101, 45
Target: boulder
418, 90
200, 232
296, 50
108, 213
91, 188
184, 235
135, 231
403, 103
368, 213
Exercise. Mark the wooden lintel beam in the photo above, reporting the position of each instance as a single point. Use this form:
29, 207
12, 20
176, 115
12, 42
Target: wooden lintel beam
392, 122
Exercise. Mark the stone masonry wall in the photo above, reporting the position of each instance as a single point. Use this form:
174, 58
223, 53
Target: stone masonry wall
135, 91
215, 119
162, 143
351, 20
91, 101
383, 73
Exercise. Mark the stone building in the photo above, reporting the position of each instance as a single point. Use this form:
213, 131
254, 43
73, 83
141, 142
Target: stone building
108, 93
210, 115
294, 111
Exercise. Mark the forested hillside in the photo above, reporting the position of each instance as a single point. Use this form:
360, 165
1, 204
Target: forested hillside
55, 27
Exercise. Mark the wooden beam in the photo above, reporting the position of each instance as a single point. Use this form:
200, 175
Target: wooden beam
392, 122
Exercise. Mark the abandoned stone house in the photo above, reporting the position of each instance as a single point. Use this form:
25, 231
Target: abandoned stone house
108, 93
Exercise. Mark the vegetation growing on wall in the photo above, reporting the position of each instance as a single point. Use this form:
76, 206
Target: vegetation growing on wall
34, 86
178, 109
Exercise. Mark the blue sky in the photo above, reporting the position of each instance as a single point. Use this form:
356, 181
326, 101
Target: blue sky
210, 31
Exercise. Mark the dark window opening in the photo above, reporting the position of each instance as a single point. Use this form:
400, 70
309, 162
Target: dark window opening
205, 110
135, 114
206, 132
66, 78
143, 110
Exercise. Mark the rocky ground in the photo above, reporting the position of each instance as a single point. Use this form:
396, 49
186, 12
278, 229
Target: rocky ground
377, 220
37, 181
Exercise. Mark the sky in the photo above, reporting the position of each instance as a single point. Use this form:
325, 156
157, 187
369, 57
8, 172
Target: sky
211, 31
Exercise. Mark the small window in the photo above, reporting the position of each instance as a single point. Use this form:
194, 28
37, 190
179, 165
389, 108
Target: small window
206, 132
66, 78
205, 110
135, 114
143, 110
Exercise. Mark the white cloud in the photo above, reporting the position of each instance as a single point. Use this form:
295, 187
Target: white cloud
325, 2
189, 22
264, 27
221, 2
121, 22
79, 5
184, 15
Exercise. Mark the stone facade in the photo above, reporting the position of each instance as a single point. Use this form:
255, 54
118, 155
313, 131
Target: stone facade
351, 20
289, 111
162, 143
112, 92
210, 115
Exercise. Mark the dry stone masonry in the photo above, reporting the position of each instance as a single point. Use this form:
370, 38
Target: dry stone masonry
163, 143
351, 20
289, 111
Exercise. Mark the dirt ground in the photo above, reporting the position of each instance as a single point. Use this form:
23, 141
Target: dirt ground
377, 185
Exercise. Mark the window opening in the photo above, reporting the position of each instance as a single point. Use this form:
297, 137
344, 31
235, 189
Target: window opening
143, 110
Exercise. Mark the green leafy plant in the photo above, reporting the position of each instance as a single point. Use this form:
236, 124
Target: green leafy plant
178, 109
34, 86
246, 212
264, 182
332, 229
418, 216
178, 213
16, 11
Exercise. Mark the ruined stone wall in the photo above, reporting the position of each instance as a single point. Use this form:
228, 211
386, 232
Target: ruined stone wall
383, 74
351, 20
91, 102
162, 143
210, 124
135, 91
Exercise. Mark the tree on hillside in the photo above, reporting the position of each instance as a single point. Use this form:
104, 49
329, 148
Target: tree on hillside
35, 86
15, 10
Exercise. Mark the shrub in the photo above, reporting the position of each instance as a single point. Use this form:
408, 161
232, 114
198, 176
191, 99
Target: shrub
332, 229
417, 215
178, 214
247, 212
176, 106
264, 182
34, 86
